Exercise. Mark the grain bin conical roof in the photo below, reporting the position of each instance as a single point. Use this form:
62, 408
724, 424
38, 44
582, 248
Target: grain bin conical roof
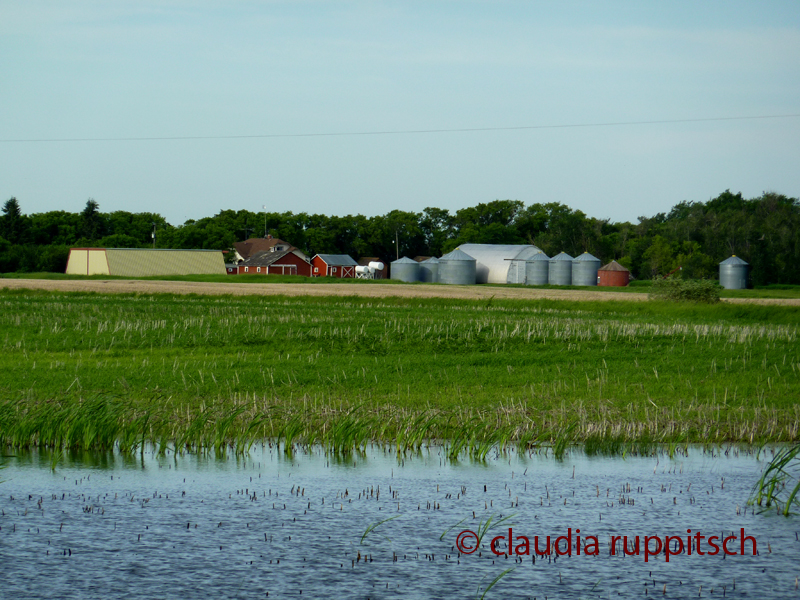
456, 255
562, 256
733, 260
613, 266
586, 257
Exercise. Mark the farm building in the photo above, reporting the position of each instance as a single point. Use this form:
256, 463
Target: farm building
251, 247
613, 275
144, 262
493, 260
333, 265
733, 273
282, 262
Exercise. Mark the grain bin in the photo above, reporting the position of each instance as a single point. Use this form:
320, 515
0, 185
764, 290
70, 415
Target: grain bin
405, 269
613, 275
584, 269
560, 270
429, 270
537, 269
733, 273
457, 268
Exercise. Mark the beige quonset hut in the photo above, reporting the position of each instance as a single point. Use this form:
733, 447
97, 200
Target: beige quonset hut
144, 262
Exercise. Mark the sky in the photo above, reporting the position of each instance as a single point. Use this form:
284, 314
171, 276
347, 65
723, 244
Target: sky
617, 109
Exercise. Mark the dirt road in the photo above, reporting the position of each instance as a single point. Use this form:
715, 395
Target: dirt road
374, 290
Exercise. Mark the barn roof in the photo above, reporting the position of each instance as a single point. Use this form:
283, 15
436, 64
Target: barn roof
266, 258
250, 247
343, 260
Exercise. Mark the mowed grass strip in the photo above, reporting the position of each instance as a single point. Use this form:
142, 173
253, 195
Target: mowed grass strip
98, 371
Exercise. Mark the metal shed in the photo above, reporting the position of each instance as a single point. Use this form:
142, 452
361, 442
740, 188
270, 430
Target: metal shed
537, 269
429, 270
492, 261
404, 269
457, 267
584, 269
560, 270
733, 273
144, 262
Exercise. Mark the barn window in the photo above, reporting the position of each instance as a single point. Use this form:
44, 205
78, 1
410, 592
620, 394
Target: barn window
246, 269
259, 269
316, 269
334, 269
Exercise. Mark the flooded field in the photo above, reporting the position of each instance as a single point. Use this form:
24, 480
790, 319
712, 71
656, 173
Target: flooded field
377, 526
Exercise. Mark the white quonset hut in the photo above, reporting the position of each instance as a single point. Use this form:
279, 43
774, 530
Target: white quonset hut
144, 262
492, 261
457, 267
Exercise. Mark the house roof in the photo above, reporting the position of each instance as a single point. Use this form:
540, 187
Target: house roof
266, 258
338, 260
249, 247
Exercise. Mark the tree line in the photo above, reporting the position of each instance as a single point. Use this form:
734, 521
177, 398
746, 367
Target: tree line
693, 236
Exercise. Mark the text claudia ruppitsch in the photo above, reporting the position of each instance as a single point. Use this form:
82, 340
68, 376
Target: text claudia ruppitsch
648, 546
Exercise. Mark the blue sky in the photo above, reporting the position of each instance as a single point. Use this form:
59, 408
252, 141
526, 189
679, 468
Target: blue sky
99, 70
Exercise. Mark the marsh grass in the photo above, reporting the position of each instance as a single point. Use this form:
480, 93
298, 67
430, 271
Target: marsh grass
779, 484
82, 371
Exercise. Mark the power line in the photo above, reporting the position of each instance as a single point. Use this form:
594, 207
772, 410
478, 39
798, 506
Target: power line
391, 132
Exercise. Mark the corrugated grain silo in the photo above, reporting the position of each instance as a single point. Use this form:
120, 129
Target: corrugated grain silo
733, 273
584, 269
560, 272
405, 269
429, 270
613, 275
537, 269
457, 267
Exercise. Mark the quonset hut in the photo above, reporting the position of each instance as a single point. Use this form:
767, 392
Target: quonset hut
144, 262
457, 267
733, 273
404, 269
492, 261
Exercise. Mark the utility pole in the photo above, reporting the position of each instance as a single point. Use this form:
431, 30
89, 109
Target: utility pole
396, 245
154, 236
264, 206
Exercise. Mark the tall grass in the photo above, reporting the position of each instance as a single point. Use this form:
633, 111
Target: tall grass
215, 373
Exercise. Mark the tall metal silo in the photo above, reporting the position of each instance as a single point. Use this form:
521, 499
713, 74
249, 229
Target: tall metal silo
584, 269
405, 269
429, 270
537, 269
733, 273
560, 270
458, 268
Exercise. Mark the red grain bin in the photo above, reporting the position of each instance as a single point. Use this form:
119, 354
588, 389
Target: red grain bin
613, 275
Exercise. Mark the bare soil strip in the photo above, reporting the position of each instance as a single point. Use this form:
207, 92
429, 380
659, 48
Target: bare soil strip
465, 292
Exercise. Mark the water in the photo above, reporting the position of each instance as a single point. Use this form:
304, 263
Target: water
271, 527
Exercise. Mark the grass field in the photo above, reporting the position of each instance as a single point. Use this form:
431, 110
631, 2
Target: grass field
92, 371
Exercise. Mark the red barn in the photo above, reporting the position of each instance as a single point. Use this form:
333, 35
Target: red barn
333, 265
284, 262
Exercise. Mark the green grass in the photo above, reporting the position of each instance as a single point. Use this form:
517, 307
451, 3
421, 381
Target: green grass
186, 372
